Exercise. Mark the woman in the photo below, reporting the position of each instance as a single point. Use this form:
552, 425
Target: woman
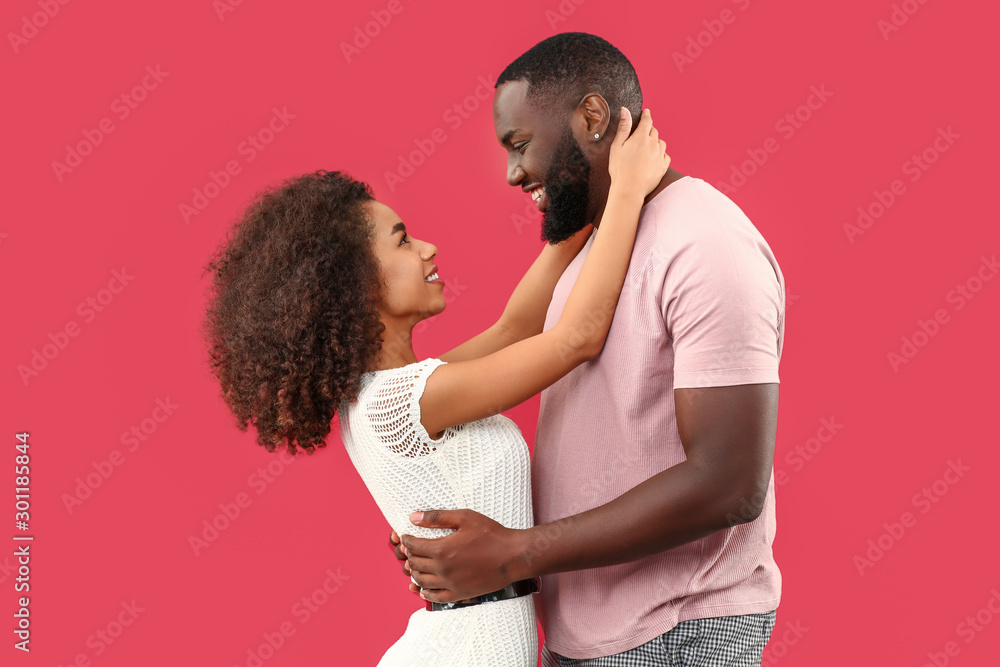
316, 296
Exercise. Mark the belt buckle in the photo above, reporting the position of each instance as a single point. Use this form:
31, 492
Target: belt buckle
508, 592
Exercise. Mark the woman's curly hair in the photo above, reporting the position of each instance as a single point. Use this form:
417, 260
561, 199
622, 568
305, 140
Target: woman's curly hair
291, 321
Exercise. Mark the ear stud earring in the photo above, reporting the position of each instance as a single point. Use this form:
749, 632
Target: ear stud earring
597, 136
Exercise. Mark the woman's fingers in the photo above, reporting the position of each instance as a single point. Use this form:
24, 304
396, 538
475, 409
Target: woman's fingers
420, 564
645, 121
624, 127
425, 580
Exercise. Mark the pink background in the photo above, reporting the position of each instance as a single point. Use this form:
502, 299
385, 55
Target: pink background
854, 295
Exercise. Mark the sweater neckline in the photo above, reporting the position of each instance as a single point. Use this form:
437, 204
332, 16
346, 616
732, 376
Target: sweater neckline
395, 368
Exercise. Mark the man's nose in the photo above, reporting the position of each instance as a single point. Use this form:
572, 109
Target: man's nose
514, 173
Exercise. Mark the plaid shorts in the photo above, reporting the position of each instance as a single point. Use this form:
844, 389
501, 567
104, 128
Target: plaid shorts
726, 641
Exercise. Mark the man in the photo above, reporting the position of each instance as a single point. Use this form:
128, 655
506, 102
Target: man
652, 474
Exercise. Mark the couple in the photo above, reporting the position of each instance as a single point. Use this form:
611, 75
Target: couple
652, 323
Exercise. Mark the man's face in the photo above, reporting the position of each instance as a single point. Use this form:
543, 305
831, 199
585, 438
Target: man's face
545, 160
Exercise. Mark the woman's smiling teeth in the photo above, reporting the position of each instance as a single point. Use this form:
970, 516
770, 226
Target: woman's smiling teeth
433, 276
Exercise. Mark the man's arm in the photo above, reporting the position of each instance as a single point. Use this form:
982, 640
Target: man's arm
728, 436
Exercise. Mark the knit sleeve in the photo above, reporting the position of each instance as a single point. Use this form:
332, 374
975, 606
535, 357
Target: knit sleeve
395, 409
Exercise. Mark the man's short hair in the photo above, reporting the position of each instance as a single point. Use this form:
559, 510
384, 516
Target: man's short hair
562, 69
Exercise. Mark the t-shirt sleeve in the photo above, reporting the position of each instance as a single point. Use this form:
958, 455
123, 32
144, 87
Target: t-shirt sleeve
722, 298
394, 408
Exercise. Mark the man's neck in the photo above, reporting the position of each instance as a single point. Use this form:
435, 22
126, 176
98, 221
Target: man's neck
668, 178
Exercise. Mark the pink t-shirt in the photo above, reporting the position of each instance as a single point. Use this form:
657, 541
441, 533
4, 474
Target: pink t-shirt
702, 306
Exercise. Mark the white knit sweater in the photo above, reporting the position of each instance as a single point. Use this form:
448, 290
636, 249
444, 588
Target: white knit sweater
483, 466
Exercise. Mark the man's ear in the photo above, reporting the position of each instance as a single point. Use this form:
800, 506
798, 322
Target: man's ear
592, 117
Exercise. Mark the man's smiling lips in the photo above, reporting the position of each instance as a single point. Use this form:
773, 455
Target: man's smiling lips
537, 192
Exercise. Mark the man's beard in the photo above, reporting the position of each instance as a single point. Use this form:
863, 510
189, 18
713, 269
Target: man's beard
567, 187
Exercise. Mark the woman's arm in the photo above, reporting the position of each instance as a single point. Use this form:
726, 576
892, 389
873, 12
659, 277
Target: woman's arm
465, 391
524, 314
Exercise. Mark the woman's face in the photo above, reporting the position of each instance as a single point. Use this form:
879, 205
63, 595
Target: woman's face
406, 264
